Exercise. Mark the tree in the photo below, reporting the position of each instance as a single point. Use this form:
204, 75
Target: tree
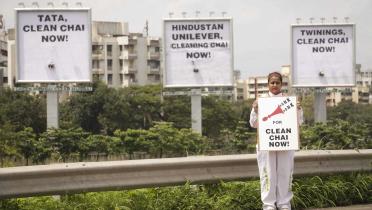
22, 110
83, 109
177, 109
66, 141
96, 143
7, 143
26, 143
218, 114
134, 141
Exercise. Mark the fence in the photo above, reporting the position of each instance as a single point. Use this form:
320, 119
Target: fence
117, 175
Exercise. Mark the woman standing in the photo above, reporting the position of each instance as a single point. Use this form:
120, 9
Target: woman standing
275, 167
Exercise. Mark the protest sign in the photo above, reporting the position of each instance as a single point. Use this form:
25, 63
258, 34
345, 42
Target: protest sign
53, 45
198, 52
323, 55
277, 123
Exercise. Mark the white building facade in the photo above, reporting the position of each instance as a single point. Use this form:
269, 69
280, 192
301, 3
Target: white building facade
123, 59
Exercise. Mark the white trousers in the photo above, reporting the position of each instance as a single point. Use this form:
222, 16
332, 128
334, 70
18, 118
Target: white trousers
276, 169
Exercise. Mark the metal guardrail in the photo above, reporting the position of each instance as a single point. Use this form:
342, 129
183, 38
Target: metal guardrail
117, 175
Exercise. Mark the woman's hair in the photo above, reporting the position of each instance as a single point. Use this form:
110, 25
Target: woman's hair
274, 74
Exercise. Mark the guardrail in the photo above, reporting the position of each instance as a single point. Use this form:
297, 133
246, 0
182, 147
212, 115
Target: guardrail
117, 175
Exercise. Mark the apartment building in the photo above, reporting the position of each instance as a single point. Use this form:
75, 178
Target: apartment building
361, 93
123, 59
3, 58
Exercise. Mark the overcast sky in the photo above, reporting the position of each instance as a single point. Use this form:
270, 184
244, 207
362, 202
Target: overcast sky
261, 27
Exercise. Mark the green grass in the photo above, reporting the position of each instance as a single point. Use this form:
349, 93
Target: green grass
309, 192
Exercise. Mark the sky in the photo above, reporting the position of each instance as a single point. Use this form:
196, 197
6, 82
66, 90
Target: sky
261, 28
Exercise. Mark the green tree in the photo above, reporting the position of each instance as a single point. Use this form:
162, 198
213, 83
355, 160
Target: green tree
22, 110
7, 144
100, 144
66, 142
218, 114
26, 143
134, 141
177, 109
83, 109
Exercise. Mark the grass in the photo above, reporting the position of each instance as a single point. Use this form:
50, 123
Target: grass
309, 192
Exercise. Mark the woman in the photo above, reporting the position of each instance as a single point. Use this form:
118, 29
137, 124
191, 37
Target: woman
275, 167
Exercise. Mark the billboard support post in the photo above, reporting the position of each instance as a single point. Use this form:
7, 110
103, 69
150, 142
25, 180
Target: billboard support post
52, 108
53, 47
198, 52
196, 114
320, 109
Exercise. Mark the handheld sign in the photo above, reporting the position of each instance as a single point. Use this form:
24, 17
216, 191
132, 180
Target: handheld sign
277, 123
198, 52
323, 55
53, 45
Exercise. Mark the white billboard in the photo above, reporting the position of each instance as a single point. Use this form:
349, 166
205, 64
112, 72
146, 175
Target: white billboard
53, 45
323, 55
198, 52
278, 123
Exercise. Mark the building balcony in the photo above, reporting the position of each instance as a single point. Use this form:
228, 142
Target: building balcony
98, 54
129, 82
128, 55
153, 41
153, 70
132, 41
97, 71
153, 55
129, 69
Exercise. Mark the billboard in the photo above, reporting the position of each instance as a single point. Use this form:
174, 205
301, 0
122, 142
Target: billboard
198, 52
323, 55
53, 45
278, 123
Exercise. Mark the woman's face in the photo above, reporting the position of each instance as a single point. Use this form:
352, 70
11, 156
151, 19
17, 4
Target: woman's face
275, 85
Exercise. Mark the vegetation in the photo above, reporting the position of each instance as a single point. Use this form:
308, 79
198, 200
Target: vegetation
131, 121
309, 192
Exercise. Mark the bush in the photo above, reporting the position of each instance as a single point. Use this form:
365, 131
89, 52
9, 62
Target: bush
309, 192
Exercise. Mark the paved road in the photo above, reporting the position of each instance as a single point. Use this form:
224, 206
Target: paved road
354, 207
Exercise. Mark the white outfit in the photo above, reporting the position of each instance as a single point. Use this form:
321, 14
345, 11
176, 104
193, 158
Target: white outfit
276, 169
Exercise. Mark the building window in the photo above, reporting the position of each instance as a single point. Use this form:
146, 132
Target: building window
153, 64
121, 63
109, 79
109, 64
109, 50
97, 49
95, 64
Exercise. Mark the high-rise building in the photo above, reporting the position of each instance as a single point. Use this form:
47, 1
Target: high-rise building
3, 57
123, 59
